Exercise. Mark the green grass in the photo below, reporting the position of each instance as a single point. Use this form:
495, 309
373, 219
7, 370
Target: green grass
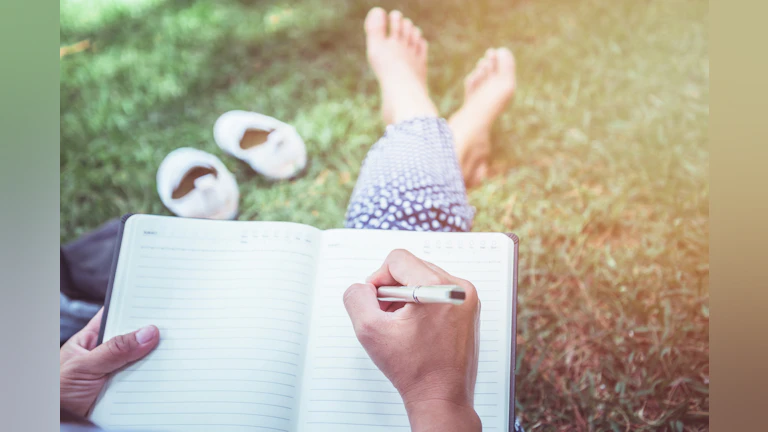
602, 162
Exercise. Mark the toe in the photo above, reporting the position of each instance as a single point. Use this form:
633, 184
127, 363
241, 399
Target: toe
407, 30
415, 37
470, 81
376, 22
475, 77
506, 66
506, 61
484, 67
395, 24
480, 174
423, 47
493, 60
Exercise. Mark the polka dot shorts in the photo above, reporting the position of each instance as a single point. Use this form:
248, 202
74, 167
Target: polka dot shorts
411, 181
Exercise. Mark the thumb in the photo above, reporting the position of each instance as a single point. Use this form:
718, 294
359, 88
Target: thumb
362, 305
120, 350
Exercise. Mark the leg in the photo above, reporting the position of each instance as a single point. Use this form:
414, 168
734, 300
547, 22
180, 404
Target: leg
487, 91
410, 179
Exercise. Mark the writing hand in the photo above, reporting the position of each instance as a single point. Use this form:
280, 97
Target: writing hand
85, 367
428, 351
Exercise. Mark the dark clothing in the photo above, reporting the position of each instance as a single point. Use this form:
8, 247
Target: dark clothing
84, 273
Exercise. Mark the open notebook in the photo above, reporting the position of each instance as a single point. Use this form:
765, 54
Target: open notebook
254, 334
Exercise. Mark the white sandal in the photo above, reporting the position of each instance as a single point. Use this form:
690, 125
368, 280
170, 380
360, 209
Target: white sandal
272, 148
195, 184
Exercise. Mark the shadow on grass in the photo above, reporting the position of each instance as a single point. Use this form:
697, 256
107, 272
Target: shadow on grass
124, 24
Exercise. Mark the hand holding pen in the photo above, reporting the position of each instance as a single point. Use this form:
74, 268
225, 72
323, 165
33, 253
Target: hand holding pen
429, 351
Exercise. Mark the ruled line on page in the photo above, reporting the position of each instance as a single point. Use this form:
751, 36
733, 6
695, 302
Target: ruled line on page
345, 368
179, 359
190, 308
358, 424
211, 269
216, 318
357, 390
218, 290
155, 425
139, 370
253, 278
468, 261
240, 251
342, 358
358, 346
162, 349
221, 298
130, 380
354, 258
436, 262
359, 412
203, 402
201, 413
229, 328
354, 277
351, 336
400, 403
353, 379
250, 259
205, 391
170, 338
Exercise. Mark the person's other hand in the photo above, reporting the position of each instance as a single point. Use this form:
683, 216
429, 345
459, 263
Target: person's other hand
428, 351
85, 367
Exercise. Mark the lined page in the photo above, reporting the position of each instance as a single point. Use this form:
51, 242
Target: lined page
343, 389
232, 302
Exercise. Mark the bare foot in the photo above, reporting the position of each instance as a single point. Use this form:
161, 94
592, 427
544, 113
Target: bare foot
399, 61
487, 90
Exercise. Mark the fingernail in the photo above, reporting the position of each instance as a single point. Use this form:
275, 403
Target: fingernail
145, 334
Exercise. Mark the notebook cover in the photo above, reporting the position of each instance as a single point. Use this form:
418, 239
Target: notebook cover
513, 357
112, 272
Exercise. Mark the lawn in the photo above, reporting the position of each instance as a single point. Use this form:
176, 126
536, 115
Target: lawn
601, 164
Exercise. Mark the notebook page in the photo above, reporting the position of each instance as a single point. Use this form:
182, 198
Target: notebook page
343, 390
232, 302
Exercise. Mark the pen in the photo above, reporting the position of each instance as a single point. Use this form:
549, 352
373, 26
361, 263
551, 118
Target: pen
453, 294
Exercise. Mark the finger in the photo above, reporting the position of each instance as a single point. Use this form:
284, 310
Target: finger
119, 351
392, 306
438, 270
470, 293
94, 324
88, 337
471, 298
403, 268
362, 306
